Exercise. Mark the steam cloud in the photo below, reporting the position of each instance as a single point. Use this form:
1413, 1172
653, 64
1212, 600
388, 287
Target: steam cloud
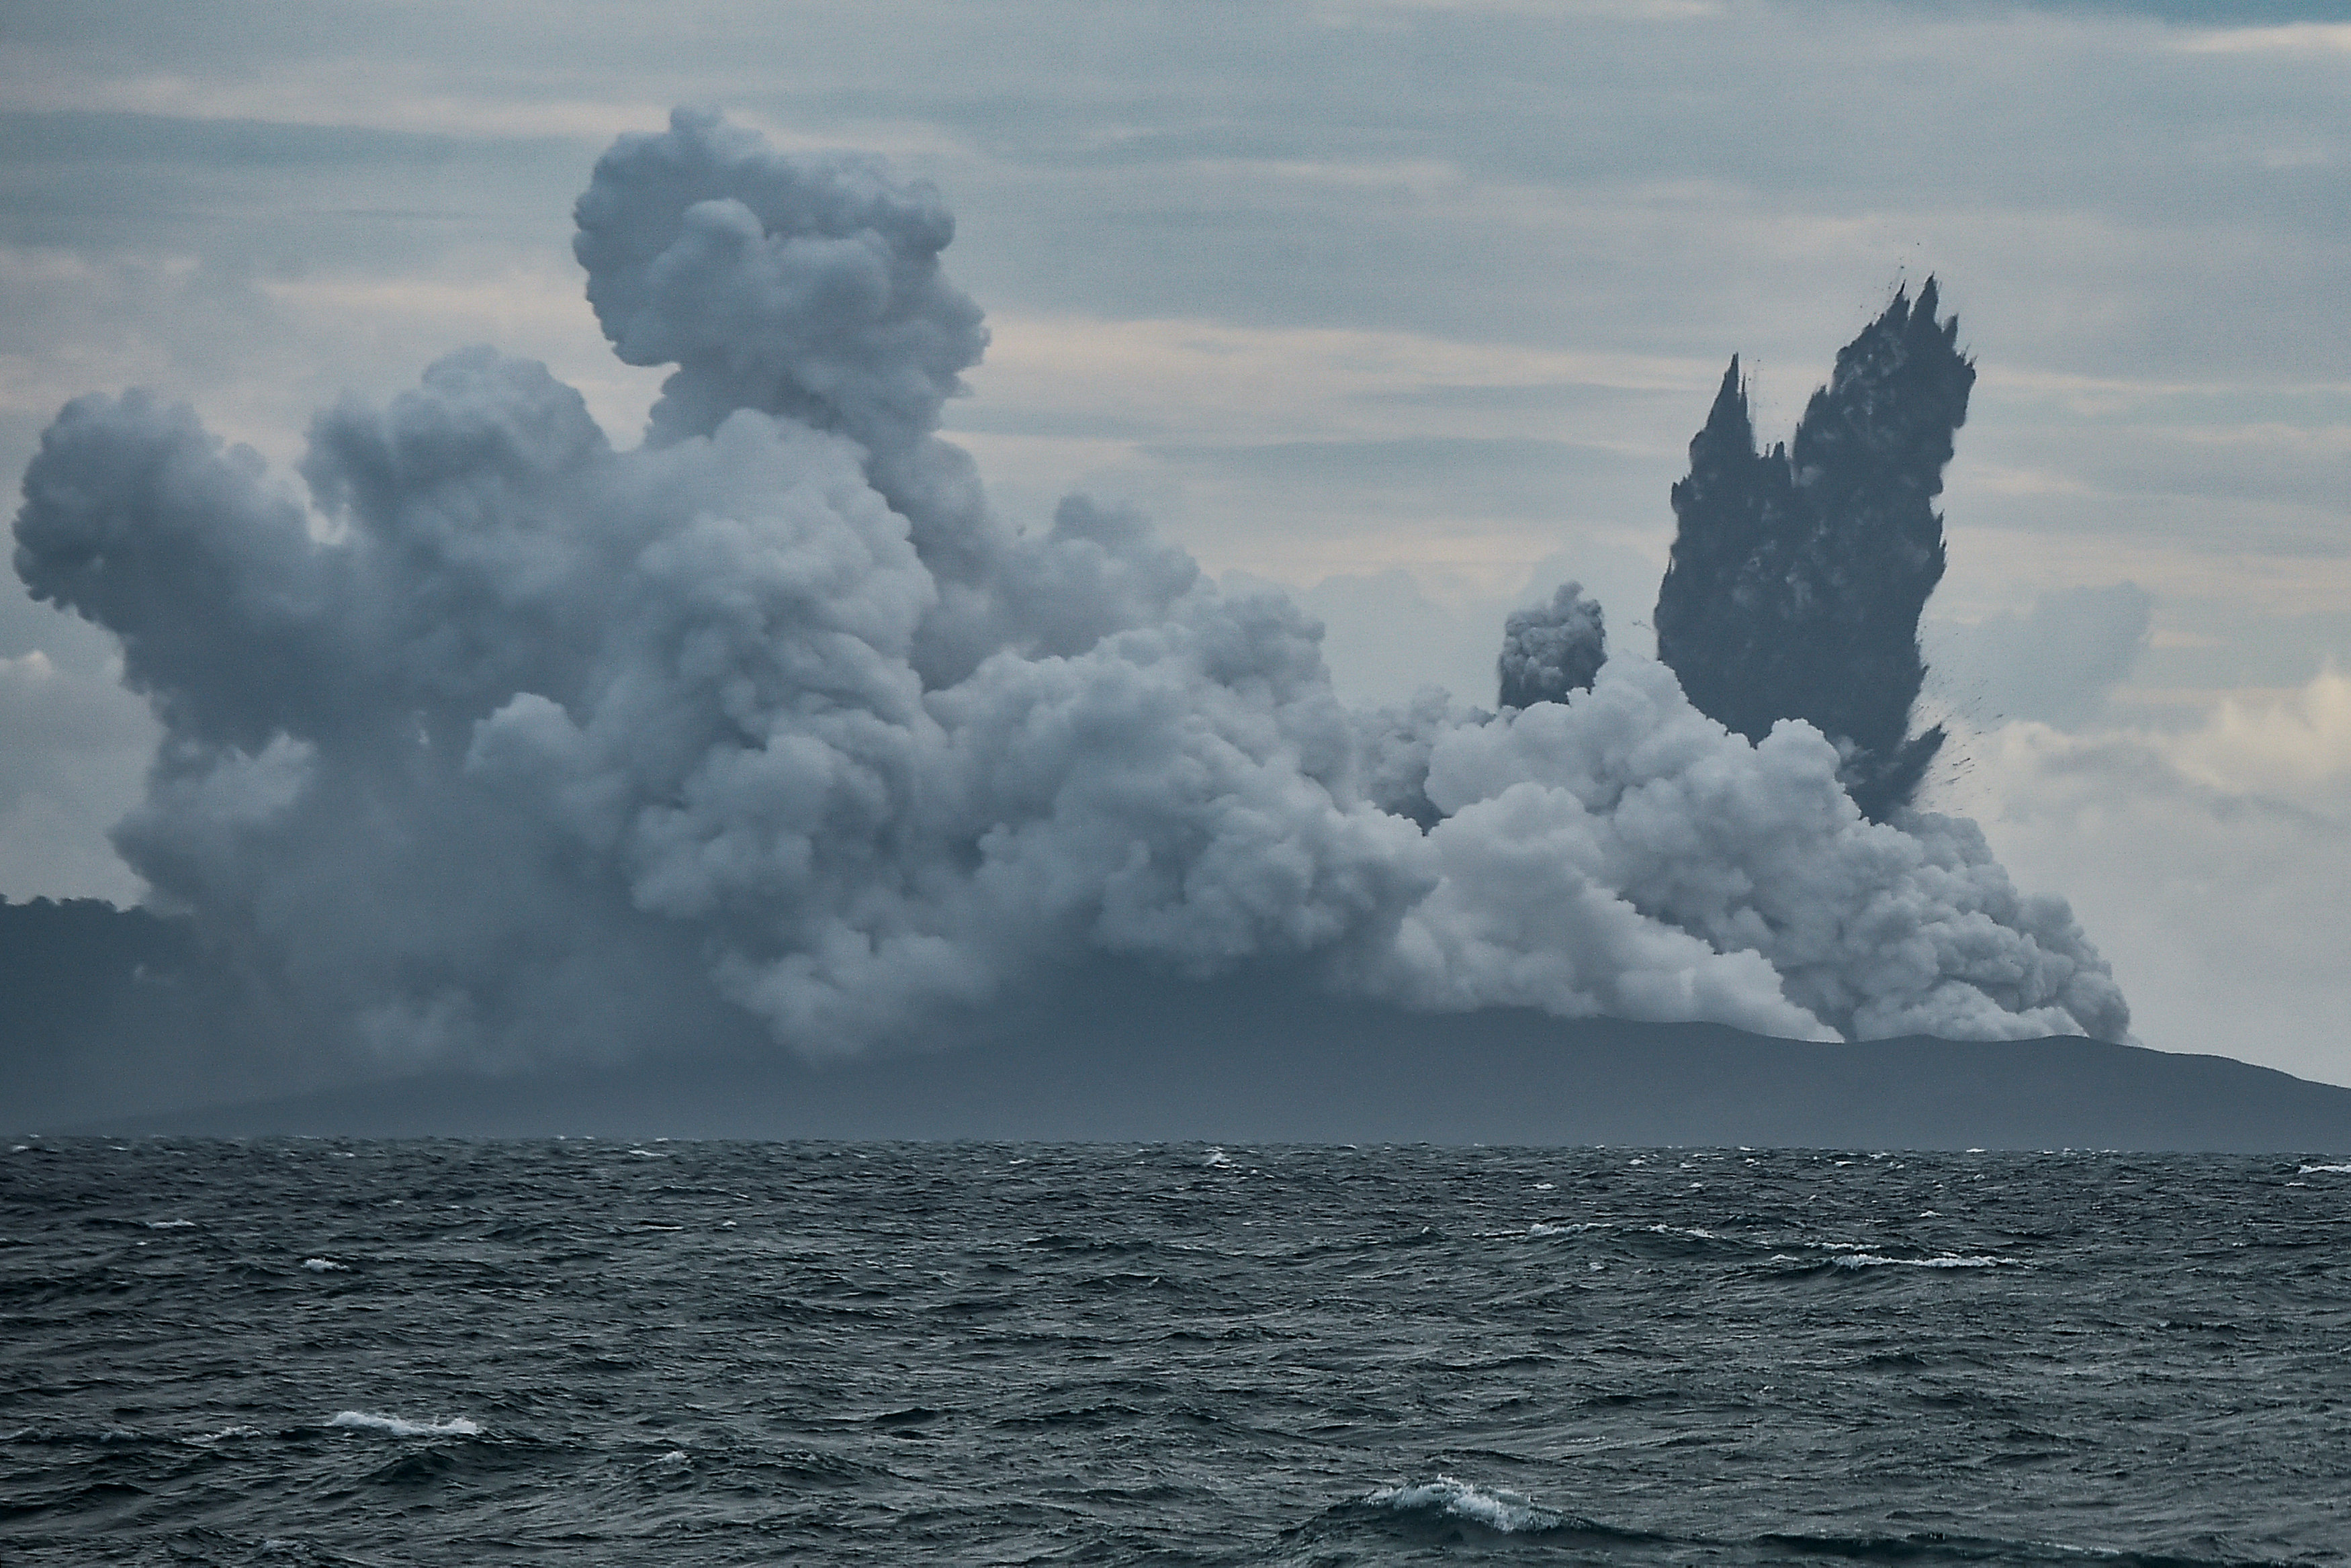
511, 745
1798, 575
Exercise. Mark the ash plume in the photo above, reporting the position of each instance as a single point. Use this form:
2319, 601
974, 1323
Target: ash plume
1551, 652
1798, 575
507, 744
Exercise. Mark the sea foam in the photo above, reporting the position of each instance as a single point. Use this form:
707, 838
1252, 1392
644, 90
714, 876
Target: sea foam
226, 1433
1502, 1512
393, 1427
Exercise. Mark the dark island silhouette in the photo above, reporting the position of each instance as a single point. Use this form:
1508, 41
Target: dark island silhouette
116, 1022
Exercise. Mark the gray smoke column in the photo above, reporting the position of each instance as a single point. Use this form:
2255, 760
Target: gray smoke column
507, 744
1798, 575
1551, 652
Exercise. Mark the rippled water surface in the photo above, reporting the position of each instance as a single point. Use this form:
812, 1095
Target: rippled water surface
588, 1353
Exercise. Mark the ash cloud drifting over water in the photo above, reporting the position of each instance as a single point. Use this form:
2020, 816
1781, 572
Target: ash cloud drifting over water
511, 745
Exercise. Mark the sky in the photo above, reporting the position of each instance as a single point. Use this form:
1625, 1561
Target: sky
1409, 308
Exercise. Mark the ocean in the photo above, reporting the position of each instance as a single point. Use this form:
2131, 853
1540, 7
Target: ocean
311, 1351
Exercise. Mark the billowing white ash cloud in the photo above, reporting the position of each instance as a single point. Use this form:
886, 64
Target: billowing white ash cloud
507, 745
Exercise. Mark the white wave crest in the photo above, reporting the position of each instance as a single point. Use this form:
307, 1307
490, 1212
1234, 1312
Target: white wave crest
393, 1427
2314, 1169
1874, 1261
227, 1434
1504, 1511
326, 1266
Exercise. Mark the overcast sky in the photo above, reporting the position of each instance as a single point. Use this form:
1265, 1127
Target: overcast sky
1411, 306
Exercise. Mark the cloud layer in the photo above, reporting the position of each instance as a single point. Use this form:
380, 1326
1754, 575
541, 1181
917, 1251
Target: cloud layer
510, 745
2219, 849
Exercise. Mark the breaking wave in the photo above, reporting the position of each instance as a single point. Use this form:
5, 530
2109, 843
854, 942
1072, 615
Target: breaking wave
396, 1427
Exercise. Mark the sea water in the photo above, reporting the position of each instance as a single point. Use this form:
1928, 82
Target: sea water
580, 1351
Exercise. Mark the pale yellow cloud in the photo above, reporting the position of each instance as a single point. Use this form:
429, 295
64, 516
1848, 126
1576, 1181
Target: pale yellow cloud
2211, 864
2310, 38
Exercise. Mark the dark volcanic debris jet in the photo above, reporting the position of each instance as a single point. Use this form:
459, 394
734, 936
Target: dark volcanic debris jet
1798, 575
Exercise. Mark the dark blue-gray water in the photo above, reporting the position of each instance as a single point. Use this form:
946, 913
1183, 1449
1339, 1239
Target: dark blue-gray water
311, 1352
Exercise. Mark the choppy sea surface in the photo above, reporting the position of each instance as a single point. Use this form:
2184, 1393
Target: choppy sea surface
579, 1352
